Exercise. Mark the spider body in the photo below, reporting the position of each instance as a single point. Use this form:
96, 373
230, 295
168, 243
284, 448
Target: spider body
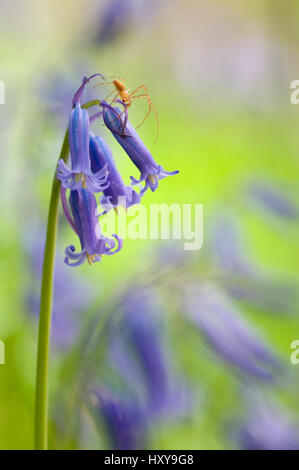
124, 95
127, 97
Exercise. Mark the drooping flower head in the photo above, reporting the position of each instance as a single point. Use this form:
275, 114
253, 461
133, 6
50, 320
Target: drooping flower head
273, 200
84, 221
240, 275
117, 192
123, 418
143, 331
142, 386
123, 131
142, 358
93, 170
116, 18
268, 425
80, 174
228, 248
229, 335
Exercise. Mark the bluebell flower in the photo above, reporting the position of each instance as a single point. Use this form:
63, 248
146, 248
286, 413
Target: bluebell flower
123, 420
241, 277
55, 92
228, 333
117, 192
267, 426
84, 221
117, 16
269, 295
139, 361
272, 199
127, 137
140, 353
80, 174
78, 94
228, 248
143, 329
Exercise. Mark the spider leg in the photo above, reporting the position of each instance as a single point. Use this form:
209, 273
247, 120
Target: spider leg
108, 96
157, 120
139, 88
116, 132
150, 104
125, 119
115, 97
124, 123
113, 91
103, 83
149, 107
125, 112
115, 76
109, 83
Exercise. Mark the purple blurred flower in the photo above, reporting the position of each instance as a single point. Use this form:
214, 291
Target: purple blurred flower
227, 332
227, 247
241, 277
268, 427
80, 173
116, 18
123, 420
143, 330
150, 388
117, 192
265, 294
127, 137
85, 224
273, 200
55, 93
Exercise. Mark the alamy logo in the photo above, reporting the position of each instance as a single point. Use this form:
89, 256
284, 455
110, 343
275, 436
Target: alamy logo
2, 92
295, 354
2, 353
158, 221
294, 97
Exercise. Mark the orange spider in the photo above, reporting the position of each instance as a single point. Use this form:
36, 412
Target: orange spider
127, 97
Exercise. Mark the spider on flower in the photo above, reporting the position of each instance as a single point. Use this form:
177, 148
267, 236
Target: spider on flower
128, 96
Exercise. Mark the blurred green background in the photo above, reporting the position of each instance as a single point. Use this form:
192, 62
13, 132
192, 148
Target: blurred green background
219, 74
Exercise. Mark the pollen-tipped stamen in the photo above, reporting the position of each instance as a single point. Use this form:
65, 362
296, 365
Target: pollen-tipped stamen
81, 177
153, 178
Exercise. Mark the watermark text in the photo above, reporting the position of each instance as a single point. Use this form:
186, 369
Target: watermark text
2, 353
2, 92
155, 222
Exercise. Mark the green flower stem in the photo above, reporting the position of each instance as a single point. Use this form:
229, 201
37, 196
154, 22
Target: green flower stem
45, 313
41, 399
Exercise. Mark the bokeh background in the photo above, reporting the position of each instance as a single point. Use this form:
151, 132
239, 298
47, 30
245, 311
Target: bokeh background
157, 347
